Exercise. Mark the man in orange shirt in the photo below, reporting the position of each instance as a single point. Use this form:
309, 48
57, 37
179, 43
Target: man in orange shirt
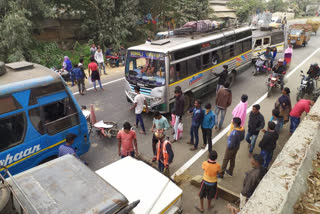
209, 183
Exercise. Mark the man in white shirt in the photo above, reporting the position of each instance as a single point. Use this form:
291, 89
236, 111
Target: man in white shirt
98, 56
139, 103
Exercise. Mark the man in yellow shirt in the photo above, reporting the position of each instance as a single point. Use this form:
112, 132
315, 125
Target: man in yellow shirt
209, 184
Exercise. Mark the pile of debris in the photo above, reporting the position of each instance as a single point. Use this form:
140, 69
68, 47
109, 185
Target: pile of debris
310, 201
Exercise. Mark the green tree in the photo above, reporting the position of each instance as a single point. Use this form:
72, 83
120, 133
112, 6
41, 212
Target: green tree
246, 8
276, 6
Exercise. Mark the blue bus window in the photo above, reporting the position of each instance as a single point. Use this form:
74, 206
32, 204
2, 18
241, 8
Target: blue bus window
44, 90
59, 116
8, 104
12, 130
34, 115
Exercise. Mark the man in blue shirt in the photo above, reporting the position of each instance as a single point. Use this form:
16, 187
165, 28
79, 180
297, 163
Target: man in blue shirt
197, 116
67, 148
207, 124
233, 145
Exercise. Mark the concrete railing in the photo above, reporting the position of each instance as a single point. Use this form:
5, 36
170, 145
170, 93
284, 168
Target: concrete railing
286, 180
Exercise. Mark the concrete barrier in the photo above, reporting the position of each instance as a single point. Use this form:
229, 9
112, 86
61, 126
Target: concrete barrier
286, 180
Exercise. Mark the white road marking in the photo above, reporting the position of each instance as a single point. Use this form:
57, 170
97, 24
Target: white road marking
225, 131
106, 83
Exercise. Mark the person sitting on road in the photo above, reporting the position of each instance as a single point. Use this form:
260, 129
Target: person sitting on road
281, 70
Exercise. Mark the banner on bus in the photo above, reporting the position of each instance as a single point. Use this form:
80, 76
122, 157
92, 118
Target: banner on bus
147, 55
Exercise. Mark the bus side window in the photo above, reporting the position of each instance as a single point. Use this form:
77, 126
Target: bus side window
266, 41
59, 116
216, 57
194, 65
246, 45
206, 59
258, 43
228, 52
34, 115
238, 48
12, 130
181, 70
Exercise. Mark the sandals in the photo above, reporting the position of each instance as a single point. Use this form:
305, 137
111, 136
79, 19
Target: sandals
198, 209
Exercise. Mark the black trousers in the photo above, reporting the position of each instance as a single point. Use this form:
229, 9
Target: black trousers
206, 134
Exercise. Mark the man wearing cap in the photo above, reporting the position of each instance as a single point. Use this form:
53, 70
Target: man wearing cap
164, 153
222, 77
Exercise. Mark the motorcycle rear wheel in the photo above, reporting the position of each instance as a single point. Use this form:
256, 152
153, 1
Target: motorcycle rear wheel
300, 95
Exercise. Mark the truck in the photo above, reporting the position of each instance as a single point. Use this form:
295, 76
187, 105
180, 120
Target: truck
299, 34
67, 186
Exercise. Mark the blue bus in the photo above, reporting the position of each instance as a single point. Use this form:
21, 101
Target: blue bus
37, 112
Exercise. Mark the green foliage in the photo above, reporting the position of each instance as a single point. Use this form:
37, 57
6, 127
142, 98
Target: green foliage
246, 8
50, 55
276, 6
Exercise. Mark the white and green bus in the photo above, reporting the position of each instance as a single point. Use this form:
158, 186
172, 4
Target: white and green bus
185, 61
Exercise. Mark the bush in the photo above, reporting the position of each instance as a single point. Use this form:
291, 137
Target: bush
50, 55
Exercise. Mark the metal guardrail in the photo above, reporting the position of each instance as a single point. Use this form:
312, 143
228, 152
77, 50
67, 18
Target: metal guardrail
13, 187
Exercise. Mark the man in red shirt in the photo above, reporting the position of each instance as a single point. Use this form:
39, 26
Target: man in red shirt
126, 139
295, 114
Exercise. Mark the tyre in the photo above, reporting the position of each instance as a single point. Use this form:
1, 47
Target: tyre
188, 101
300, 95
269, 91
232, 77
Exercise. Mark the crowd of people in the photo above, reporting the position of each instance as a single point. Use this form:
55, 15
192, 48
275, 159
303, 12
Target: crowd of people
207, 119
97, 64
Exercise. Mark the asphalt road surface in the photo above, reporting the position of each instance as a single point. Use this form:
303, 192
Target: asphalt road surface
111, 105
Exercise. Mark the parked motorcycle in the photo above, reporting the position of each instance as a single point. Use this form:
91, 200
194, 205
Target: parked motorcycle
261, 65
306, 86
273, 82
112, 61
63, 73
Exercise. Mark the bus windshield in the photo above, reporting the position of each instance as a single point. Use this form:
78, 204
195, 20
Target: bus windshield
145, 68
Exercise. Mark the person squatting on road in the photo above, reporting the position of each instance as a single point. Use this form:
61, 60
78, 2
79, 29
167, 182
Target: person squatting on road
256, 123
95, 76
160, 124
78, 75
233, 145
178, 111
240, 111
222, 77
139, 103
127, 141
268, 143
209, 185
164, 153
295, 114
197, 117
252, 179
223, 101
207, 124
